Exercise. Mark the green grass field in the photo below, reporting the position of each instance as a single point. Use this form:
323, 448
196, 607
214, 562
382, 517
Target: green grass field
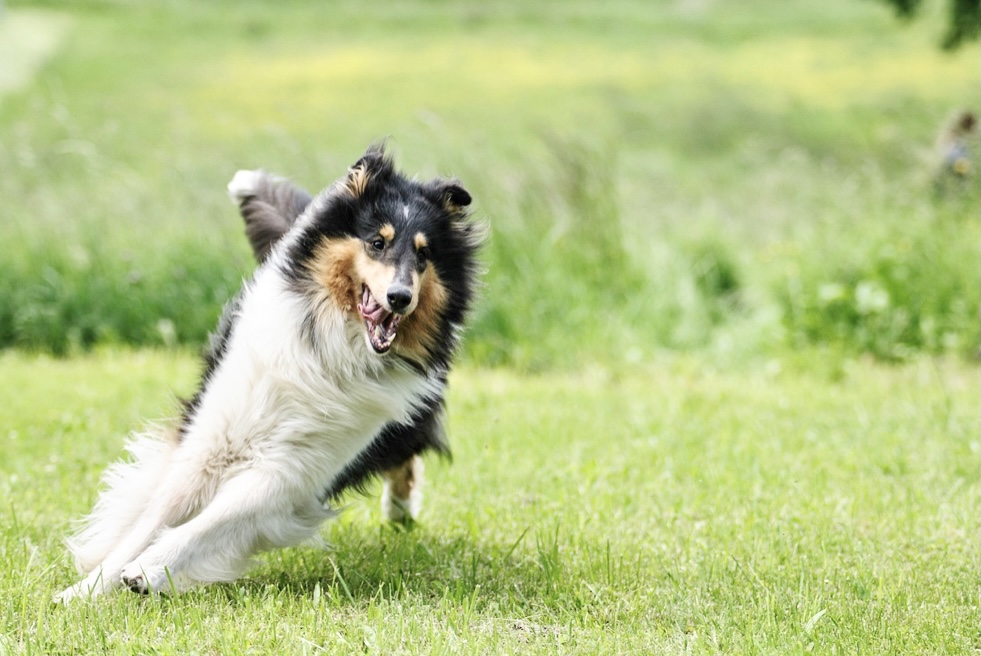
671, 508
720, 394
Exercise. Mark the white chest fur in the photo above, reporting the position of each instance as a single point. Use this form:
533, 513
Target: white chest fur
301, 408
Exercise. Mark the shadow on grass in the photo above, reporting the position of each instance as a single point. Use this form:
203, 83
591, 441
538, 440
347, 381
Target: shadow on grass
360, 566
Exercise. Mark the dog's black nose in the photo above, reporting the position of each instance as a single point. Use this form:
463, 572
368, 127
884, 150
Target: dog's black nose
399, 297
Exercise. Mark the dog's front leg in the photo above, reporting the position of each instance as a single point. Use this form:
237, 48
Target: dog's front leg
168, 508
106, 576
250, 513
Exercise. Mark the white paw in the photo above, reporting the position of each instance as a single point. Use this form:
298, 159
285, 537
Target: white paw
90, 587
400, 510
146, 580
243, 185
70, 594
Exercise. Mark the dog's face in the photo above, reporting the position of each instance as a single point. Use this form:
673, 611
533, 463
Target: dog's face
394, 268
386, 244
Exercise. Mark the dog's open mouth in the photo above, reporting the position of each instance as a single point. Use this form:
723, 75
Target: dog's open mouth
381, 323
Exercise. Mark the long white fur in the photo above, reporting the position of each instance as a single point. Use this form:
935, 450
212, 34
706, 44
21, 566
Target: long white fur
276, 423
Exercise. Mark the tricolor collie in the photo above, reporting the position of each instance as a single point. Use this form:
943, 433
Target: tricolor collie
329, 367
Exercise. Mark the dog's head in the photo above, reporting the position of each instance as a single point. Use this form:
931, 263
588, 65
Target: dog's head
397, 254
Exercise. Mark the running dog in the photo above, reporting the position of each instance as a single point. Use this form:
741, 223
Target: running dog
330, 366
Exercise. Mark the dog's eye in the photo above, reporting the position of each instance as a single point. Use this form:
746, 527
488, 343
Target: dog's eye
378, 245
423, 254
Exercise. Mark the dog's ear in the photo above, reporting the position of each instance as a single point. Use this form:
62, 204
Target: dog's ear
454, 198
373, 164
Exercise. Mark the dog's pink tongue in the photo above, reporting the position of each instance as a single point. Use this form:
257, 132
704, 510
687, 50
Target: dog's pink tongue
369, 308
373, 312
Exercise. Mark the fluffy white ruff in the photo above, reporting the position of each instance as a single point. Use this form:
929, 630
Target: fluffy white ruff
276, 423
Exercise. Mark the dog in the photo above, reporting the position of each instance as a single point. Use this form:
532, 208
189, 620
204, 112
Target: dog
329, 367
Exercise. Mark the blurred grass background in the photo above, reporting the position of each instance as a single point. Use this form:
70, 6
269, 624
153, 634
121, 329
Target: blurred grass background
687, 174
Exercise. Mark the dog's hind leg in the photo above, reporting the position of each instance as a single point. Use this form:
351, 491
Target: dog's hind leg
401, 497
395, 454
250, 513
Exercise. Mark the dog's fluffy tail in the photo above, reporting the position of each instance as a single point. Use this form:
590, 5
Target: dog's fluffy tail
269, 206
128, 488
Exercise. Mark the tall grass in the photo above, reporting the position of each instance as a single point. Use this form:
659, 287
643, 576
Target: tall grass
902, 290
655, 177
65, 301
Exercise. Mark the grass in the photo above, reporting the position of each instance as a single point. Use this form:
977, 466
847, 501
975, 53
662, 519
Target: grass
675, 429
795, 506
789, 144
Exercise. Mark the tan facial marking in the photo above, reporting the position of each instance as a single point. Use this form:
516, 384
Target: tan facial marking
387, 232
341, 266
334, 266
418, 331
420, 241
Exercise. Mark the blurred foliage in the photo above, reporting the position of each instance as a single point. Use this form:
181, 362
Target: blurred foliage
963, 19
656, 175
898, 294
65, 301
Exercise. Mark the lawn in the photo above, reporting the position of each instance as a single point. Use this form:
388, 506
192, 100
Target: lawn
720, 391
671, 508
